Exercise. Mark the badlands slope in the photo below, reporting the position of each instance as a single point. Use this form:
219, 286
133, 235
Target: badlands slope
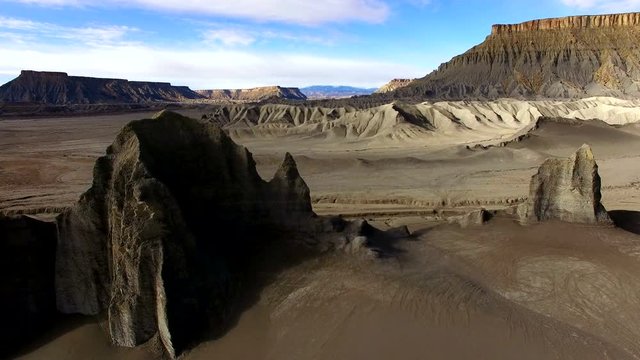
396, 157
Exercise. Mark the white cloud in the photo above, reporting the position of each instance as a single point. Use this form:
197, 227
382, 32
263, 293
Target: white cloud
202, 68
306, 12
229, 37
242, 35
605, 5
17, 24
20, 30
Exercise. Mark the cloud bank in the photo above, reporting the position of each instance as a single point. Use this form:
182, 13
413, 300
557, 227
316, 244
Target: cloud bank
303, 12
202, 69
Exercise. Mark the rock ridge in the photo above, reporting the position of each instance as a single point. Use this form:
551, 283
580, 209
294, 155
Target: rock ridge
570, 22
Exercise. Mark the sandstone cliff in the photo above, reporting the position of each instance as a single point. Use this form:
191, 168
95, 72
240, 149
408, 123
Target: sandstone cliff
61, 89
254, 94
566, 190
394, 84
568, 57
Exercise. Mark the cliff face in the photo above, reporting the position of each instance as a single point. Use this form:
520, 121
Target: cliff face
59, 88
568, 57
254, 94
393, 85
571, 22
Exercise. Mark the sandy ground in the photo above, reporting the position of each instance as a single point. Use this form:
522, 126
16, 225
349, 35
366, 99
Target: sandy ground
500, 291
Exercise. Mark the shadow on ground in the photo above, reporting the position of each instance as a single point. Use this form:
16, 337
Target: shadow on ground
626, 219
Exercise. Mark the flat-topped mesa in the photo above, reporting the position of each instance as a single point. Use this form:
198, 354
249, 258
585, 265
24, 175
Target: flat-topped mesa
570, 22
43, 73
58, 88
563, 58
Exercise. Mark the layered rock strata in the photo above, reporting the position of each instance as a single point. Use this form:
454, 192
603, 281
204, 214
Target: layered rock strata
570, 57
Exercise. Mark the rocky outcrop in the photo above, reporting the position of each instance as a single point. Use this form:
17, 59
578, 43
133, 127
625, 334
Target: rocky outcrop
254, 94
473, 218
57, 88
394, 84
27, 295
570, 57
566, 190
149, 243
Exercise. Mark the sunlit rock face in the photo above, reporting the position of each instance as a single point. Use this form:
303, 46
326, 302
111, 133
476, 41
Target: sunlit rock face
578, 56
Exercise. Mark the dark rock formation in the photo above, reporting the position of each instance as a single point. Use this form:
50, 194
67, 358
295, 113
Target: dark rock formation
566, 190
570, 57
254, 94
149, 243
61, 89
27, 295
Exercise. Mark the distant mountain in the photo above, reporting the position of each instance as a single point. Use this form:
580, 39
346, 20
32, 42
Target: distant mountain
334, 92
58, 88
570, 57
393, 85
254, 94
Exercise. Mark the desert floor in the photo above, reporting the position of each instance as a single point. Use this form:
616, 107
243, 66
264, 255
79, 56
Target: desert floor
498, 291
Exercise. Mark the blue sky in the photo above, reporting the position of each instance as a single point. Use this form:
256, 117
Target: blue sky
246, 43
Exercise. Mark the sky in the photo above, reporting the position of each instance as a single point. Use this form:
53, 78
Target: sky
213, 44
